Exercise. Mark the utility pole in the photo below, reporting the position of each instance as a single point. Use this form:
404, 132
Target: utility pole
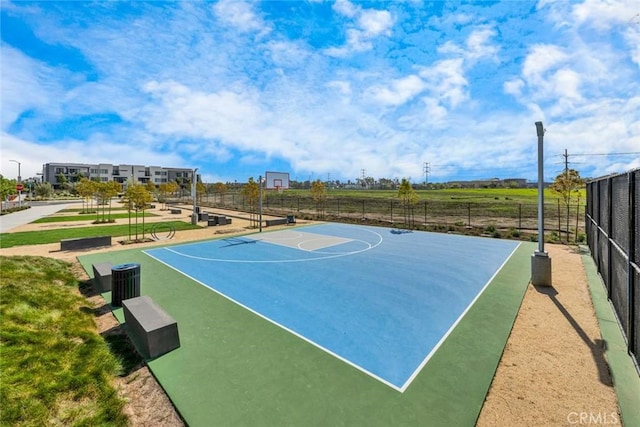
427, 172
566, 162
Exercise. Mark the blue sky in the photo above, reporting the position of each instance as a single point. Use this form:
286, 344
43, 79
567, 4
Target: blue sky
323, 90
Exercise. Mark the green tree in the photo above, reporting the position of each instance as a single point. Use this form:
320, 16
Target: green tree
112, 189
151, 188
251, 193
201, 190
408, 197
137, 199
165, 189
86, 189
319, 196
566, 185
44, 190
7, 187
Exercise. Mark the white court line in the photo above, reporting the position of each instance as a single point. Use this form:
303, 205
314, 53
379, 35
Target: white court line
444, 337
415, 373
326, 350
328, 255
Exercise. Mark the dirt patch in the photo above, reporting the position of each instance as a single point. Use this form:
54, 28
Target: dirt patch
553, 368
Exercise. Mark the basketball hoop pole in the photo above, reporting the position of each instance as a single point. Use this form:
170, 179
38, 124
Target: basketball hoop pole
260, 219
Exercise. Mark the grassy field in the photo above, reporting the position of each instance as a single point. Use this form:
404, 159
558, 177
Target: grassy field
55, 369
8, 240
90, 217
516, 195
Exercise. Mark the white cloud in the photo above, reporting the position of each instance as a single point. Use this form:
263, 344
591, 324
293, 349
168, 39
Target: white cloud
241, 15
446, 80
346, 8
400, 90
369, 24
26, 84
540, 59
603, 14
478, 45
344, 87
632, 37
375, 22
513, 87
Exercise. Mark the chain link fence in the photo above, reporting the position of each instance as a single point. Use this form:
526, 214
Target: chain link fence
501, 218
613, 235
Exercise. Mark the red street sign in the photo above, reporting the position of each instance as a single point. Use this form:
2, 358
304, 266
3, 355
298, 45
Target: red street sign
19, 187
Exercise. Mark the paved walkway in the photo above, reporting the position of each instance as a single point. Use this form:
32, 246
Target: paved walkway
37, 210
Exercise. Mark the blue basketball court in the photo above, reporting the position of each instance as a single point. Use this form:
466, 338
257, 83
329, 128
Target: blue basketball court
378, 299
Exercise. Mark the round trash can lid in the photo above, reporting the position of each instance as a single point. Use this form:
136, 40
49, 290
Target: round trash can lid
121, 267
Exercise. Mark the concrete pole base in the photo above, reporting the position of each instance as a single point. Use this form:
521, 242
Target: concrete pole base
194, 219
541, 269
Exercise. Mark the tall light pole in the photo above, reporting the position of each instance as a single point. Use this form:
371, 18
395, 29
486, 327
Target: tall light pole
19, 182
260, 202
540, 260
194, 215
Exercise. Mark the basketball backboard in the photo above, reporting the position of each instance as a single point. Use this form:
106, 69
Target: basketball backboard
276, 180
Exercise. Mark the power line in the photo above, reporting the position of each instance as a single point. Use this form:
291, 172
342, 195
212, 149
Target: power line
631, 153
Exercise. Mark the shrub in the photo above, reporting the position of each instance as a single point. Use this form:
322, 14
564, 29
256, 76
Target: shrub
490, 229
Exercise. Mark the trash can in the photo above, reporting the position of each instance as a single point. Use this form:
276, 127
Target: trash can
125, 283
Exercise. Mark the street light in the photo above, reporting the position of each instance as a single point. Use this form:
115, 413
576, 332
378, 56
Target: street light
19, 182
540, 260
194, 215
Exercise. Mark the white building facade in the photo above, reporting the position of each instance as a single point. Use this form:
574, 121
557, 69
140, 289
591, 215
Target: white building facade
58, 173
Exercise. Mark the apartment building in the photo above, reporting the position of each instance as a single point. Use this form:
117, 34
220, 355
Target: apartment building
53, 173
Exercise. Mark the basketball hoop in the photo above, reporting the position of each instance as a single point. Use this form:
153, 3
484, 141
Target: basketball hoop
277, 181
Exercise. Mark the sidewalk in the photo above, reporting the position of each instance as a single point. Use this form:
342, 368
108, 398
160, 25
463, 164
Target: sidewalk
37, 210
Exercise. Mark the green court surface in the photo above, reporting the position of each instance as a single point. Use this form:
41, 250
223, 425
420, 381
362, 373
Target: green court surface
625, 377
235, 368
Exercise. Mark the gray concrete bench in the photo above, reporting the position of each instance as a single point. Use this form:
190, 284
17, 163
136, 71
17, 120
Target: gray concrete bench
84, 243
102, 276
279, 221
218, 220
176, 211
152, 330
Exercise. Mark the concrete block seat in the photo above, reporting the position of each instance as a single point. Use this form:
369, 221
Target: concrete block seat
279, 221
84, 243
218, 220
151, 329
102, 276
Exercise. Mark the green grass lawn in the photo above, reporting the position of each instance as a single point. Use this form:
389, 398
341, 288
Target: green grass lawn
89, 217
55, 368
8, 240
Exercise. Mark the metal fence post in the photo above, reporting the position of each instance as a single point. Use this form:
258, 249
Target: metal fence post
425, 212
631, 333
